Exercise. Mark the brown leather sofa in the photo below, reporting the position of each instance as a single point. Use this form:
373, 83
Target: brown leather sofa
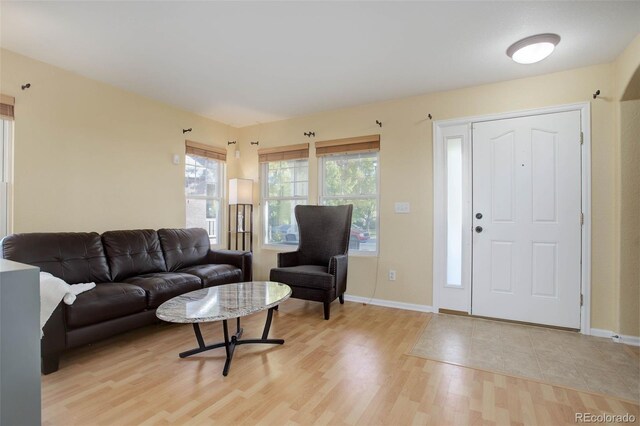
134, 271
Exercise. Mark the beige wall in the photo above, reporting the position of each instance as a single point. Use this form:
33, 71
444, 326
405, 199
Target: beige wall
630, 219
406, 175
627, 260
626, 68
90, 157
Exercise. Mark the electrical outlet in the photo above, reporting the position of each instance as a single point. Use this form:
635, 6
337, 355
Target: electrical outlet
392, 275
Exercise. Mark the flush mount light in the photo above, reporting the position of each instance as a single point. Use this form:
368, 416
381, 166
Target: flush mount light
533, 49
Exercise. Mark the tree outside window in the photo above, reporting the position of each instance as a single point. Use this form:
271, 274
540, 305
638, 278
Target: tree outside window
353, 179
285, 184
204, 179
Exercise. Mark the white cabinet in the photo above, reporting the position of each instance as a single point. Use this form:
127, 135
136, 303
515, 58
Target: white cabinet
19, 344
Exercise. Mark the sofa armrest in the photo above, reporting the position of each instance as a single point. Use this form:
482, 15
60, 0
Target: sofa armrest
239, 259
288, 258
338, 266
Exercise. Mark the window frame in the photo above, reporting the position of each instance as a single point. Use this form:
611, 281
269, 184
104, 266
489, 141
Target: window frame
321, 197
222, 198
6, 175
264, 199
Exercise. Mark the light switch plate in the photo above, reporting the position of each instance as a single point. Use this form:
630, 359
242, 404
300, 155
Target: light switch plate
402, 207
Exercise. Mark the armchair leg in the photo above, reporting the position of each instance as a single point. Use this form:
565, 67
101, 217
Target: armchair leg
341, 297
327, 310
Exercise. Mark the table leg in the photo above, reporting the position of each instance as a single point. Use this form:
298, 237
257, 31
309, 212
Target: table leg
238, 329
265, 333
229, 347
201, 345
267, 325
230, 342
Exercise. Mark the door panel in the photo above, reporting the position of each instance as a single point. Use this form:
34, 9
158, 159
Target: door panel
502, 267
527, 186
502, 177
543, 180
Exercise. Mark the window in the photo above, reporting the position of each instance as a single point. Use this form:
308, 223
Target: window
353, 179
454, 211
285, 184
5, 130
6, 127
204, 183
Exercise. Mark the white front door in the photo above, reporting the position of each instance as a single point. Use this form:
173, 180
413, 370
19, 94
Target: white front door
526, 246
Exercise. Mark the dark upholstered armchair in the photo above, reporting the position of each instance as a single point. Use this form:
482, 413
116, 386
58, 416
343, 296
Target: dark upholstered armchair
317, 271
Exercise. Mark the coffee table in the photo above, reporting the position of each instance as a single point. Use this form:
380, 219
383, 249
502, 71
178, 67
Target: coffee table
222, 303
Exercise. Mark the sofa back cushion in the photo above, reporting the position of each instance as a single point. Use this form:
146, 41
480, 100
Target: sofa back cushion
134, 252
75, 257
184, 247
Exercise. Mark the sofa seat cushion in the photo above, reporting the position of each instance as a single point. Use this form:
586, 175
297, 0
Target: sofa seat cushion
310, 276
104, 302
212, 275
162, 286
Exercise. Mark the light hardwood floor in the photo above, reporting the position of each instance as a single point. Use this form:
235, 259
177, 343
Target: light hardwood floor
352, 369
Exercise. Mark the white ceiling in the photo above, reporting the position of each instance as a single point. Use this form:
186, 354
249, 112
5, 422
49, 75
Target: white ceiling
247, 62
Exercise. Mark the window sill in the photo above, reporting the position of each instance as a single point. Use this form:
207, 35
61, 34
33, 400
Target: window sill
288, 248
363, 254
279, 247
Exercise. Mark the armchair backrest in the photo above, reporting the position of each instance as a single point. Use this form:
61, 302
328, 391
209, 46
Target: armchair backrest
324, 232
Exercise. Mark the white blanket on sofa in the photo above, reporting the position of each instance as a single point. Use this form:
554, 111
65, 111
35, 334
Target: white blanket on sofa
52, 291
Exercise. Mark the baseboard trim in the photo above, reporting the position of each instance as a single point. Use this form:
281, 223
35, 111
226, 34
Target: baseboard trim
389, 303
620, 338
597, 332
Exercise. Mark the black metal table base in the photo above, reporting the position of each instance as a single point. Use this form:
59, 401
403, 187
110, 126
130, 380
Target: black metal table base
230, 343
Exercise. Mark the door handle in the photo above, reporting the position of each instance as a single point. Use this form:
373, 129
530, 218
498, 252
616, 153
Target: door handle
478, 229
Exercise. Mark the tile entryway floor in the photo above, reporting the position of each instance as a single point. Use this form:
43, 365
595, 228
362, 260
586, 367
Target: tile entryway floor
554, 356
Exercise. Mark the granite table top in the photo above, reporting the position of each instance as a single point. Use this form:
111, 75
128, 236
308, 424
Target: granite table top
223, 302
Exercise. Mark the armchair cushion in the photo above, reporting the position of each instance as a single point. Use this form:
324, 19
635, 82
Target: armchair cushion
288, 258
309, 276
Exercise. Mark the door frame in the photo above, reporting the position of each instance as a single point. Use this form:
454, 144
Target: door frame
440, 200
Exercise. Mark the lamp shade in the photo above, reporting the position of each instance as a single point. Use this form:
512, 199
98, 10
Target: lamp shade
240, 191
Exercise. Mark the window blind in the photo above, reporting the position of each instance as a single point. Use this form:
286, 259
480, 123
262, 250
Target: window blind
369, 143
6, 107
281, 153
208, 151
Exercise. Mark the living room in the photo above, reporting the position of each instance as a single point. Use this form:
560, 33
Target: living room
104, 99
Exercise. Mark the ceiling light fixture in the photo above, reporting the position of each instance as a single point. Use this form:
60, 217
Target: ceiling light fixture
533, 49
